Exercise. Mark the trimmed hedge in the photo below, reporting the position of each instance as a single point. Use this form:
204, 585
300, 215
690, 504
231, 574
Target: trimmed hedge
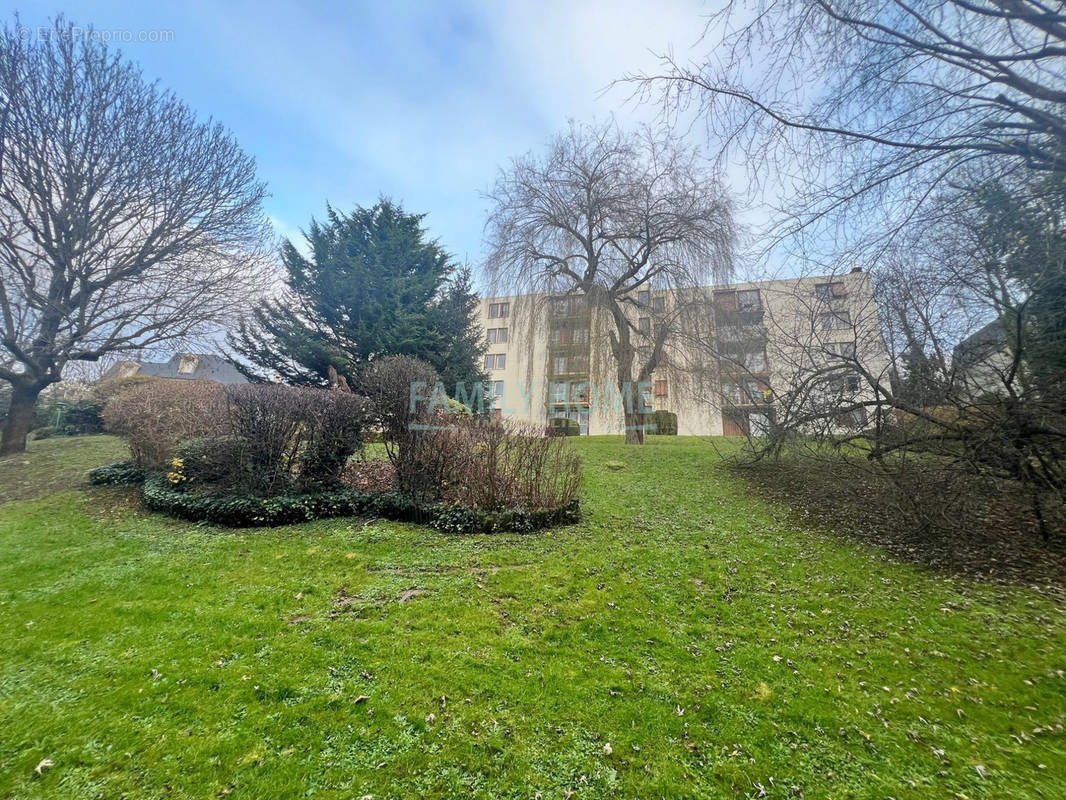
564, 426
243, 511
123, 473
665, 423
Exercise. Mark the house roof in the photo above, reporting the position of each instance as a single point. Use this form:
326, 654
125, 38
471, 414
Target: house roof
208, 368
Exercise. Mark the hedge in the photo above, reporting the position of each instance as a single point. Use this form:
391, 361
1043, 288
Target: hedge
564, 426
243, 511
664, 422
124, 473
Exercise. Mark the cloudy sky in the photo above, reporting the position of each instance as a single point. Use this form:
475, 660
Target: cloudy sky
420, 101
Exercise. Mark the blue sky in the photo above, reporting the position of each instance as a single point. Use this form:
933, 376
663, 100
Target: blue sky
420, 101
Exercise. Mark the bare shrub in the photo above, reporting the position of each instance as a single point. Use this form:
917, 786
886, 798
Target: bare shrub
154, 417
293, 436
495, 464
398, 389
516, 465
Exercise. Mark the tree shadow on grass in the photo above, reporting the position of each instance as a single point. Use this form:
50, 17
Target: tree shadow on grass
977, 528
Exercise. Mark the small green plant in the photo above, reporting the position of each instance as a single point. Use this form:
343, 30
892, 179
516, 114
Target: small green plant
122, 473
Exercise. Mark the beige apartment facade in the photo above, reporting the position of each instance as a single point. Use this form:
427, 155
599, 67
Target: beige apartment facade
731, 354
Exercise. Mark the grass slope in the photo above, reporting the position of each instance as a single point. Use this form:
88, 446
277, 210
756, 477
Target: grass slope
719, 647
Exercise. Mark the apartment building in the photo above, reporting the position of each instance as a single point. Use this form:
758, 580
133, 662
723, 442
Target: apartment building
730, 354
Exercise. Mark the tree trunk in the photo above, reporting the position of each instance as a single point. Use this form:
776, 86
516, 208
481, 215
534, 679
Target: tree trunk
19, 418
634, 427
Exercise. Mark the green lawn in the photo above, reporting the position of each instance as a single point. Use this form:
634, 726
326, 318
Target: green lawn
720, 648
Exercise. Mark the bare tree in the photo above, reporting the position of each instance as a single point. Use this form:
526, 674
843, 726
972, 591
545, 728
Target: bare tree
971, 396
875, 105
124, 221
602, 216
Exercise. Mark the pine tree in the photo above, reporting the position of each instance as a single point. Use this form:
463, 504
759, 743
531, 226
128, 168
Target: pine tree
372, 285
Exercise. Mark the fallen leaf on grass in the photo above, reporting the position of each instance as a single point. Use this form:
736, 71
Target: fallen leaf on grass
45, 764
362, 698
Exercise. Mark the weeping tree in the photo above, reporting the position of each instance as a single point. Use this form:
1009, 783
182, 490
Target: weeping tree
125, 222
603, 215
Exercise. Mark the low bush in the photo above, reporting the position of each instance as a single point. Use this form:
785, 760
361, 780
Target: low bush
463, 519
265, 454
154, 417
564, 426
210, 460
290, 437
263, 438
664, 423
497, 464
244, 510
124, 473
69, 417
398, 390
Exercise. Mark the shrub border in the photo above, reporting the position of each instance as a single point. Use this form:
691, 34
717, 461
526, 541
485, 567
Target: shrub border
246, 511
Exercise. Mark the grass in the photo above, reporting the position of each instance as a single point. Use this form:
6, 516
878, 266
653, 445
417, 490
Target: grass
720, 645
54, 465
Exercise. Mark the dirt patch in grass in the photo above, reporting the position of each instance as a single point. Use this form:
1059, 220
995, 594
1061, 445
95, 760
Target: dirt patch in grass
979, 529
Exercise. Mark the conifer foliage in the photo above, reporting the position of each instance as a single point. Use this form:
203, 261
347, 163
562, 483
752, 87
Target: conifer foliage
371, 285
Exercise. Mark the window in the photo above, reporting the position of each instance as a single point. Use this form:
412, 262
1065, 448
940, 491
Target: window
835, 320
727, 301
734, 333
732, 393
827, 291
644, 297
499, 310
660, 388
757, 392
559, 392
495, 361
751, 360
645, 400
567, 306
496, 393
496, 335
847, 384
842, 349
560, 365
855, 418
645, 324
658, 303
581, 335
749, 300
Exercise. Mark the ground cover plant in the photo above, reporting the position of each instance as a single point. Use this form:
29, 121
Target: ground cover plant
687, 638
